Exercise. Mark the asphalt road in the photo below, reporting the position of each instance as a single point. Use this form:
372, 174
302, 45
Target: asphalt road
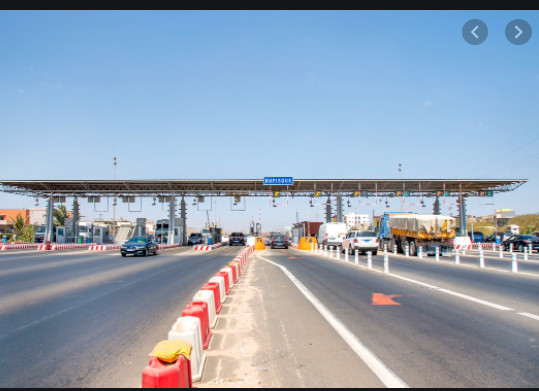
449, 325
79, 319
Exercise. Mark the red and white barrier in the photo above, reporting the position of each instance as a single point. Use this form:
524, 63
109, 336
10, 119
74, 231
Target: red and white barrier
207, 247
162, 246
21, 246
104, 247
188, 329
56, 247
195, 323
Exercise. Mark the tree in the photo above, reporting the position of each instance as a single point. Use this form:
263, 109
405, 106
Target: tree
28, 233
59, 215
19, 224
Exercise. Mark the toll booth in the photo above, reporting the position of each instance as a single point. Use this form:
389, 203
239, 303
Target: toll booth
140, 228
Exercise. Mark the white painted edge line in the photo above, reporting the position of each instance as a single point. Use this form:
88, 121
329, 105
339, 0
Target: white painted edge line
386, 375
532, 316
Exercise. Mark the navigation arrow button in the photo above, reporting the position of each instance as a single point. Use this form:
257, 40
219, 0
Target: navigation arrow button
474, 32
523, 29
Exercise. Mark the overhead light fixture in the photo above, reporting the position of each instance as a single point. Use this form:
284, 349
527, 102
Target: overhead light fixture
154, 200
37, 202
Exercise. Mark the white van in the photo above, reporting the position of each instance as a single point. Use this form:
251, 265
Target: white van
332, 234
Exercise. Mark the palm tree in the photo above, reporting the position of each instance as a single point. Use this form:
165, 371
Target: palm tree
19, 225
28, 233
59, 215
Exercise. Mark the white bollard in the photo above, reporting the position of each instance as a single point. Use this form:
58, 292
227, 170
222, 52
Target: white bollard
437, 253
406, 251
420, 252
312, 246
394, 249
356, 257
457, 258
325, 250
386, 263
494, 246
481, 259
330, 252
346, 255
525, 253
514, 265
369, 260
529, 248
338, 253
511, 248
501, 252
385, 247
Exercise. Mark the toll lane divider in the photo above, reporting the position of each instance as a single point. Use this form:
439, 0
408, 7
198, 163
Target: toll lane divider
207, 247
19, 246
104, 247
194, 327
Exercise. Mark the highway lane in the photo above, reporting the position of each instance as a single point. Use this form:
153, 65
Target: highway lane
432, 338
82, 319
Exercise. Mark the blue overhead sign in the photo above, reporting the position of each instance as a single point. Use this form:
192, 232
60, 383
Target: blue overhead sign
278, 180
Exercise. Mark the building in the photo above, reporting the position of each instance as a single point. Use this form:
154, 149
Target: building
355, 220
7, 215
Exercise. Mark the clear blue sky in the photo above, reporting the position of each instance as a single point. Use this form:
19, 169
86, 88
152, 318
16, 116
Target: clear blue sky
239, 94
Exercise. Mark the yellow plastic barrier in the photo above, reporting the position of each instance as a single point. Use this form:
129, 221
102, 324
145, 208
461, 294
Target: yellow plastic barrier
307, 243
259, 244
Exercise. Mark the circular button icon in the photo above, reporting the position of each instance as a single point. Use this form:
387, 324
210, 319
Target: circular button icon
474, 31
518, 32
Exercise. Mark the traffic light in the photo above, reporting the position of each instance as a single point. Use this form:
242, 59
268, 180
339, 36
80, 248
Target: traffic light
276, 193
406, 193
490, 193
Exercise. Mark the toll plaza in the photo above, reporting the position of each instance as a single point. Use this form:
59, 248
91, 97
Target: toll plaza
371, 191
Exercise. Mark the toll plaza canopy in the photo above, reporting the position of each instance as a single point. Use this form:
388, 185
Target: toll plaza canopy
256, 187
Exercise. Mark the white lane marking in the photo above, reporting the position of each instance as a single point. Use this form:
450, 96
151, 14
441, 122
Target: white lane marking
461, 295
386, 375
450, 292
532, 316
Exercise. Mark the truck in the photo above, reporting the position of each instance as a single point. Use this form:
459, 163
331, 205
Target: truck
416, 231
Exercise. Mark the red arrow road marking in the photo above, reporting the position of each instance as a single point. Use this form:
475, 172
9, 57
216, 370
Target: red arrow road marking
381, 299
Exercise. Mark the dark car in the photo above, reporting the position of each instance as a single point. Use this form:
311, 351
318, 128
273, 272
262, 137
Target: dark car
139, 245
279, 241
478, 237
195, 238
519, 242
236, 239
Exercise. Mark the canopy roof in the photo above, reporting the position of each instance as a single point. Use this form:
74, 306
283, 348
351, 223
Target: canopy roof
256, 187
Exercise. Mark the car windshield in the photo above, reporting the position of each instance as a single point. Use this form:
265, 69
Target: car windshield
138, 239
366, 234
527, 237
196, 235
279, 237
236, 234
